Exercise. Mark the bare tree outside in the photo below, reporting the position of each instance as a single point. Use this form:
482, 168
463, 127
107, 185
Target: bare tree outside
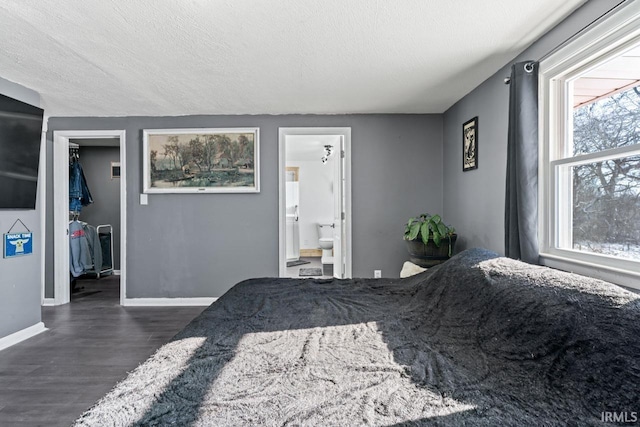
606, 194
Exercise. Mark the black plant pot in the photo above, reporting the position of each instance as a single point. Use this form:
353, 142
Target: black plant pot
430, 255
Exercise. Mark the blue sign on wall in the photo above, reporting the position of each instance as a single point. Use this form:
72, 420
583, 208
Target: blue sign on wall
16, 244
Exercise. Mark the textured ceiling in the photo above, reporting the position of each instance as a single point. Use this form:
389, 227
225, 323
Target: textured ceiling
168, 57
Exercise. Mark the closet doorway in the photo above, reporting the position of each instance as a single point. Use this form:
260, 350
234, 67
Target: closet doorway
62, 142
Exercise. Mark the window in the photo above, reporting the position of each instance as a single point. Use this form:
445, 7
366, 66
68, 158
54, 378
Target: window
590, 151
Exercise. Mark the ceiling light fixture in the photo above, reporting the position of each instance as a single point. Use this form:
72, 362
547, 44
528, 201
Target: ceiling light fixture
328, 151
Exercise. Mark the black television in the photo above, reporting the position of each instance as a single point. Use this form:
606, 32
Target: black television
20, 136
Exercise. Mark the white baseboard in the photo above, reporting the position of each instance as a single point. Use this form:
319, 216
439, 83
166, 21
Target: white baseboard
116, 272
48, 302
21, 335
150, 302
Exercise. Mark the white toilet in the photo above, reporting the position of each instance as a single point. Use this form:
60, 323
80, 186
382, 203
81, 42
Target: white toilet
325, 234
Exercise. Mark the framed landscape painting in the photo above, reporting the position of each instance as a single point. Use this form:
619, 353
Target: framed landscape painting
223, 160
470, 145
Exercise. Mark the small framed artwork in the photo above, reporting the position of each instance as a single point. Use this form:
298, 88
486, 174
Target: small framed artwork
470, 145
220, 160
17, 244
115, 170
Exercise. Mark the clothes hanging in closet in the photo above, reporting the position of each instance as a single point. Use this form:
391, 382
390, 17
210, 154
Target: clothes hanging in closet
79, 194
80, 254
86, 249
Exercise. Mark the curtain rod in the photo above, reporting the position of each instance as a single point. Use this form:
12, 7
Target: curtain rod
507, 80
528, 67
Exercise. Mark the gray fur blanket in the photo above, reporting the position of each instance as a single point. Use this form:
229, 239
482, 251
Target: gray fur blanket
478, 340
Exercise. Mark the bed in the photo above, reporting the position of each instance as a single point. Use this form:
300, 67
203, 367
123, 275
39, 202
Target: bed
479, 340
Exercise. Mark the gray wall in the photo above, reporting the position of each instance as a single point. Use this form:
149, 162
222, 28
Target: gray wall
199, 245
20, 290
474, 200
105, 209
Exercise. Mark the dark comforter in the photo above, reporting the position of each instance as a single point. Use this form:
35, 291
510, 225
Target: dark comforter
479, 340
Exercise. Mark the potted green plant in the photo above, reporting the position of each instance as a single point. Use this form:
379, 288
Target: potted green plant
429, 240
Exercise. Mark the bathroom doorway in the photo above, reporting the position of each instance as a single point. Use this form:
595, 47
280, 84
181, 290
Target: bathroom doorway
315, 202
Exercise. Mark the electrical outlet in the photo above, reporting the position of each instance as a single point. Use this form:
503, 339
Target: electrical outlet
377, 274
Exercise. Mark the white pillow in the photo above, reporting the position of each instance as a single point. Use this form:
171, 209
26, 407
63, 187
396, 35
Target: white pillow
410, 269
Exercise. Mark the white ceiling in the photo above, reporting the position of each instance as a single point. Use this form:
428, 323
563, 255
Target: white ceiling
168, 57
300, 148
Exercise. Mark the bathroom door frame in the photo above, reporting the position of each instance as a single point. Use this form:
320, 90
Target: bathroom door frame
61, 288
345, 134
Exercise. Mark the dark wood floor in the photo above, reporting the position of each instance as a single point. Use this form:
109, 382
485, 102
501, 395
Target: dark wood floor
91, 344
